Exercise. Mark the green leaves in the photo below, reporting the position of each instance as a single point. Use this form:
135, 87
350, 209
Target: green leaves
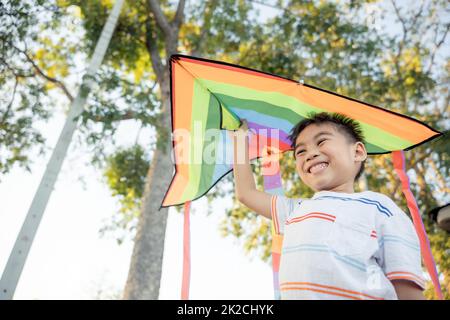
125, 175
29, 63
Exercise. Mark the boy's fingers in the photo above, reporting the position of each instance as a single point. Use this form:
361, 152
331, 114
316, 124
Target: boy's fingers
243, 128
244, 125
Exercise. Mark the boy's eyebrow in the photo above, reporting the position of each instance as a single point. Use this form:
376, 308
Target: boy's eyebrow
322, 133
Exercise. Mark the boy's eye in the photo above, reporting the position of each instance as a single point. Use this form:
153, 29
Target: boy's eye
301, 151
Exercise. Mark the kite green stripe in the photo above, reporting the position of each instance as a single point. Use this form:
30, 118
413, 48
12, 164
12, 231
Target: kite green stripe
210, 144
373, 149
198, 118
377, 137
229, 119
255, 105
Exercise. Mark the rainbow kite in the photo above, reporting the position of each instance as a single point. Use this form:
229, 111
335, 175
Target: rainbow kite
210, 97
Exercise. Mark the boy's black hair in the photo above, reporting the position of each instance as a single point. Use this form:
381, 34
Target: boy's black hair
349, 127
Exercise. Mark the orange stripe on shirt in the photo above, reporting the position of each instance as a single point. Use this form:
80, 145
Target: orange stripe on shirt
319, 215
322, 291
404, 273
275, 215
420, 283
399, 275
330, 288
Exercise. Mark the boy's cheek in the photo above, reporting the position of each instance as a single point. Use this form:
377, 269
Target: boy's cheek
300, 170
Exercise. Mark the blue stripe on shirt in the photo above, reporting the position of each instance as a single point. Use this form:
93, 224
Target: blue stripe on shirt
377, 204
322, 248
391, 238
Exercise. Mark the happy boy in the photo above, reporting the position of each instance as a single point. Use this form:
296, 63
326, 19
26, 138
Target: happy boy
339, 244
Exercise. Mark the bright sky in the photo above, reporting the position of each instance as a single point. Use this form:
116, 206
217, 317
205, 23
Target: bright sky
69, 260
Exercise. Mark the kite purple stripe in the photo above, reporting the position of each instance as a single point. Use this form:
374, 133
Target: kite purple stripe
272, 181
269, 132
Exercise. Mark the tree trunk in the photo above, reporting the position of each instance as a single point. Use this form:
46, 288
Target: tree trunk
146, 262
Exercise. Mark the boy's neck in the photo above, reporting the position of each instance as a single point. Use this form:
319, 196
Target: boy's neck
345, 188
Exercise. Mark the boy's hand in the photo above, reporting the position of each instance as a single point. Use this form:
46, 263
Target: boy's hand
244, 126
241, 131
245, 187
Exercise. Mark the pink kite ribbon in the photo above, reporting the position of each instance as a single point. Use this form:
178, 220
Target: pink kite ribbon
398, 158
186, 253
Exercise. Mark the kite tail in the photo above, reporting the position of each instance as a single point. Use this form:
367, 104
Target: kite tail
186, 253
272, 185
398, 159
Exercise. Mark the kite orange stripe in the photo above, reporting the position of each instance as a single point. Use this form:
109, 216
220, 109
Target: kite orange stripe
399, 126
183, 85
234, 69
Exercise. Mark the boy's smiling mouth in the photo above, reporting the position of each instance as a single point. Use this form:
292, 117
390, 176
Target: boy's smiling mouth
317, 168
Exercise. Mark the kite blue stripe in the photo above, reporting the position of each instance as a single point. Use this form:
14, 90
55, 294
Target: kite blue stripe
262, 119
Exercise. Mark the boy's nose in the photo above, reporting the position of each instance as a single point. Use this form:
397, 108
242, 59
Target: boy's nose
311, 155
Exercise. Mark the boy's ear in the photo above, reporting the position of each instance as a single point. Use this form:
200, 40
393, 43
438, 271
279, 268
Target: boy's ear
360, 151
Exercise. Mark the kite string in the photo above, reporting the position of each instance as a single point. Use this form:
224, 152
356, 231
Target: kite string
273, 185
398, 159
185, 285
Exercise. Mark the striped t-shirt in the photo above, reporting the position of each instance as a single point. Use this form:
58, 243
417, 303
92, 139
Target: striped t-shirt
345, 246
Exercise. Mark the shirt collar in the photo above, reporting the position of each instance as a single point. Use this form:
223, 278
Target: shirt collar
336, 194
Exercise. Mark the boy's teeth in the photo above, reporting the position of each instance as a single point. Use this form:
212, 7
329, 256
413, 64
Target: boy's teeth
318, 167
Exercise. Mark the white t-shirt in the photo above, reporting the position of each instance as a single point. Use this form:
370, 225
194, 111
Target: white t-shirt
345, 246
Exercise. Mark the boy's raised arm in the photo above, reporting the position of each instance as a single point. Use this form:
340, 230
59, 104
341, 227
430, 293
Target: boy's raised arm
244, 182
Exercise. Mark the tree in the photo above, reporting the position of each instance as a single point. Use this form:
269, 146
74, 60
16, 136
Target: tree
25, 84
152, 30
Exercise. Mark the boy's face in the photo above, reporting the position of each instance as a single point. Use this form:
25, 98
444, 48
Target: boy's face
326, 160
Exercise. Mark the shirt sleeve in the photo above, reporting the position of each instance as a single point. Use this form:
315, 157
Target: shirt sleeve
400, 249
281, 208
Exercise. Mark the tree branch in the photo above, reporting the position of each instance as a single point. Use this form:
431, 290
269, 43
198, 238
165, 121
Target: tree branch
439, 176
15, 72
160, 18
179, 15
128, 115
209, 8
150, 44
402, 21
418, 14
45, 76
8, 108
421, 158
436, 47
